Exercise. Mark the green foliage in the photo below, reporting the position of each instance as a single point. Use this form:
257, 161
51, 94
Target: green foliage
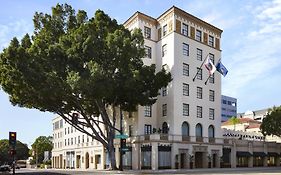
22, 151
271, 124
41, 144
234, 121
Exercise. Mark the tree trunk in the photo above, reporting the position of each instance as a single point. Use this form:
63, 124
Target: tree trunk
110, 149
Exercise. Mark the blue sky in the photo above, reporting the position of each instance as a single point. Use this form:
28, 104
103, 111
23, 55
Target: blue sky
250, 49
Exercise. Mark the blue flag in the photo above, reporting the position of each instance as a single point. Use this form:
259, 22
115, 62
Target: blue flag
221, 69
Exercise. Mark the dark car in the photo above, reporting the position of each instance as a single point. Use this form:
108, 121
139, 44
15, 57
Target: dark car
5, 168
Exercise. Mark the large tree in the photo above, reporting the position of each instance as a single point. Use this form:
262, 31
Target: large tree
92, 66
5, 157
41, 144
271, 124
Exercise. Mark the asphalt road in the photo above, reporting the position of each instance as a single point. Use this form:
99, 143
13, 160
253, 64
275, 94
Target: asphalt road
228, 171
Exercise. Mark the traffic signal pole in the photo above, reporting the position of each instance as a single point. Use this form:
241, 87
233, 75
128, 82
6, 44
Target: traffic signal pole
12, 143
121, 143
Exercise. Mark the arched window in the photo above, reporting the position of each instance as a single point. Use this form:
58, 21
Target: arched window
165, 128
211, 131
199, 132
185, 129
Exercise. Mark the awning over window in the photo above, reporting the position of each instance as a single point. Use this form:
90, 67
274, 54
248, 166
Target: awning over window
272, 154
259, 154
243, 154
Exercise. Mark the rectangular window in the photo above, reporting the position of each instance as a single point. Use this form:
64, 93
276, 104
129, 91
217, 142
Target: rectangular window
147, 129
185, 109
185, 89
164, 110
83, 139
211, 41
212, 78
147, 51
199, 92
224, 101
211, 113
184, 30
78, 139
185, 49
165, 30
199, 111
130, 130
212, 95
164, 91
212, 58
198, 35
147, 111
147, 32
199, 74
199, 54
185, 69
164, 50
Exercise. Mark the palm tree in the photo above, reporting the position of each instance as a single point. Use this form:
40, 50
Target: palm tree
234, 120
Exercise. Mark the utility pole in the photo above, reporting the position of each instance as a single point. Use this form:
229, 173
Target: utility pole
12, 144
121, 141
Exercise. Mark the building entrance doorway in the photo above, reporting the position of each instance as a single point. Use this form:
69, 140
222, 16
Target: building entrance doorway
78, 161
183, 160
214, 160
199, 160
87, 161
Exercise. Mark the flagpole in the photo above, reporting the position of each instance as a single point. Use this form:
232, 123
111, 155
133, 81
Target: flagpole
214, 72
200, 67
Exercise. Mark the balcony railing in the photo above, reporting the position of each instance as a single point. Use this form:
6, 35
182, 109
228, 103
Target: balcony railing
199, 139
185, 138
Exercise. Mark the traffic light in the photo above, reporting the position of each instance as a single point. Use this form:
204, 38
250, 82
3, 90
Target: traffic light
75, 118
12, 139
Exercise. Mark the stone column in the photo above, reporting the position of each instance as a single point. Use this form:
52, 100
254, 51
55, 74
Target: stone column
277, 161
218, 160
251, 158
136, 158
233, 155
265, 158
205, 159
154, 156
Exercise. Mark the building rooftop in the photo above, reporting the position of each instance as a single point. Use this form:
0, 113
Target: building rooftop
241, 120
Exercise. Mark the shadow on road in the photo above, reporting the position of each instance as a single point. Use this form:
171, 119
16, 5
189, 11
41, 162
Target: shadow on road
41, 173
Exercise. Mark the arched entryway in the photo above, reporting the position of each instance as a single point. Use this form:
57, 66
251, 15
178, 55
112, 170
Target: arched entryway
87, 161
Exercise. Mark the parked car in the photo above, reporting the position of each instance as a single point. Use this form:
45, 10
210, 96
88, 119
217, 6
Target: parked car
4, 168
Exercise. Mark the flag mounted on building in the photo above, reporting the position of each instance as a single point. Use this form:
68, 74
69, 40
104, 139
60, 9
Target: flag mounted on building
221, 68
210, 66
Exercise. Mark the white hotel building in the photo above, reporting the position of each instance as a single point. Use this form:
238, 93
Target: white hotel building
183, 128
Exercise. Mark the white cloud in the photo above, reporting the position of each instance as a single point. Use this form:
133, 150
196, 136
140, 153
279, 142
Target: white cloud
13, 29
258, 54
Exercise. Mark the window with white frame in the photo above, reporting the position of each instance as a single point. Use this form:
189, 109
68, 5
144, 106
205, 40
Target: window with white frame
185, 69
147, 51
199, 74
212, 79
147, 129
185, 109
165, 30
199, 54
185, 88
164, 110
147, 111
212, 95
199, 92
147, 32
199, 111
184, 30
211, 113
211, 41
164, 50
198, 35
185, 49
164, 91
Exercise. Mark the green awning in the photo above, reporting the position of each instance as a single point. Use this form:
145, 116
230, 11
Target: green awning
243, 154
259, 154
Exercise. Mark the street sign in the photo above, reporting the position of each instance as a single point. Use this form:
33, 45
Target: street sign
121, 136
125, 149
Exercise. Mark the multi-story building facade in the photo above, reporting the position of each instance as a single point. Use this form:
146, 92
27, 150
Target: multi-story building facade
183, 128
228, 107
